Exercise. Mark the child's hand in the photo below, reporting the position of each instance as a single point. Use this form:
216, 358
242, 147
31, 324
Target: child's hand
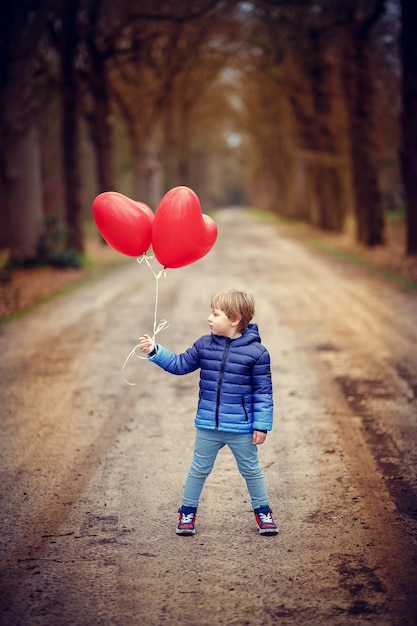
146, 344
258, 437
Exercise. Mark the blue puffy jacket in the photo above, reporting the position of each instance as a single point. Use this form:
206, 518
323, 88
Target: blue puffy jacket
235, 380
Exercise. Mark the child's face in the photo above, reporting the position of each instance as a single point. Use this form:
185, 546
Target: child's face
221, 325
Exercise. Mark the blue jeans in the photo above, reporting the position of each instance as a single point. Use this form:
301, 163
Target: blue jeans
207, 445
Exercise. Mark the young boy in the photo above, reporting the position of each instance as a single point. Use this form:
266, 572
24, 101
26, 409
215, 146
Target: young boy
235, 405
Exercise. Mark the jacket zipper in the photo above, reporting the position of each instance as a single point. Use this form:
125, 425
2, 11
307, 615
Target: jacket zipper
222, 366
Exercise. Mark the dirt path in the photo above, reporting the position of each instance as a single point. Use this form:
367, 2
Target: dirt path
92, 469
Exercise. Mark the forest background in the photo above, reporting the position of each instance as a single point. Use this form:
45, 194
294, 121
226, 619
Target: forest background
306, 108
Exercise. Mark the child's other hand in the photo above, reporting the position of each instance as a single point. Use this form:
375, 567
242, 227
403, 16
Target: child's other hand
146, 344
258, 437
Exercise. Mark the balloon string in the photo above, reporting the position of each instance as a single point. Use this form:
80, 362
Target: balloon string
163, 324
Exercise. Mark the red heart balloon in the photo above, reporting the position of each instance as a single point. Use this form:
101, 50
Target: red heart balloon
126, 225
181, 234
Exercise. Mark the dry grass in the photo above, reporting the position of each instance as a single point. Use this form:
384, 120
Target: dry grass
24, 288
389, 260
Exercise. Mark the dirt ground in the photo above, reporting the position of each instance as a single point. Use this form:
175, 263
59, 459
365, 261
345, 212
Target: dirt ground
92, 468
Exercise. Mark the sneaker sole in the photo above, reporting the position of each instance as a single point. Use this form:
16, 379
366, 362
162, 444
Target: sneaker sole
267, 531
185, 532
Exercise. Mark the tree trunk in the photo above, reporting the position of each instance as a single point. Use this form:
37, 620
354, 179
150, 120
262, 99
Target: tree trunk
171, 149
145, 161
359, 93
326, 170
313, 101
146, 169
100, 118
70, 130
23, 197
184, 146
409, 119
326, 192
101, 127
21, 28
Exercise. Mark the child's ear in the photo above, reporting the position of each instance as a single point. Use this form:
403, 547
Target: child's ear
235, 322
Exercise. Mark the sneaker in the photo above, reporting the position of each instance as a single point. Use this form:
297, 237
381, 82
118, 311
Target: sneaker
265, 521
186, 520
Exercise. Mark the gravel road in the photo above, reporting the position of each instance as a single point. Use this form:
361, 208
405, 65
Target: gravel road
93, 468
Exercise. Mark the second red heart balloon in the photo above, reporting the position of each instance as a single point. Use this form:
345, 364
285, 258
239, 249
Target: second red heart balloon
181, 233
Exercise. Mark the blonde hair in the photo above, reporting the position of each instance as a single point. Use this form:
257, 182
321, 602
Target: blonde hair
235, 304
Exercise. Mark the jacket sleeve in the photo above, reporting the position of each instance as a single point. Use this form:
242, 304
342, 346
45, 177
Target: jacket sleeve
179, 364
263, 405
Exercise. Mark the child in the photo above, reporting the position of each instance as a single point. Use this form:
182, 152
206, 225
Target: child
235, 405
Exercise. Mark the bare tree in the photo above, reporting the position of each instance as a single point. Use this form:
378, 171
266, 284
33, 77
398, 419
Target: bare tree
167, 68
409, 118
362, 16
313, 78
136, 83
70, 129
105, 21
296, 60
22, 29
322, 56
205, 51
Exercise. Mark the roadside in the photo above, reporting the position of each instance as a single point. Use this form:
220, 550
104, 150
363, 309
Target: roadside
388, 261
24, 289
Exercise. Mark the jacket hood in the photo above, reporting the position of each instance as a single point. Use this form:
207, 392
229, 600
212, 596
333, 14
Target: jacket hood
249, 335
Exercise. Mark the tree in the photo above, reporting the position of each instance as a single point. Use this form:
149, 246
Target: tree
266, 114
70, 130
105, 21
297, 86
313, 77
177, 55
137, 100
362, 16
203, 51
409, 119
323, 55
22, 29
